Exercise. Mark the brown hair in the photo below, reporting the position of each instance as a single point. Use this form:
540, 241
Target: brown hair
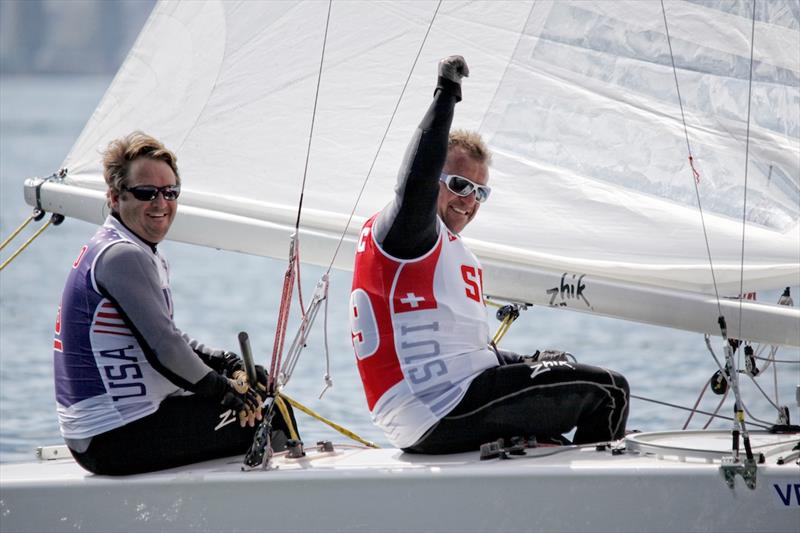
472, 143
122, 152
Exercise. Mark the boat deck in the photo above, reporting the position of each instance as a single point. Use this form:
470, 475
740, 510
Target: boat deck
655, 484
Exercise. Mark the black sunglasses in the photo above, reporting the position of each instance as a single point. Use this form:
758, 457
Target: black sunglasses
461, 186
148, 193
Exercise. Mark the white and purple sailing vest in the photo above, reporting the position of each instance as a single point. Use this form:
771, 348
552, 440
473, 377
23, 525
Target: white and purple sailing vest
103, 379
419, 332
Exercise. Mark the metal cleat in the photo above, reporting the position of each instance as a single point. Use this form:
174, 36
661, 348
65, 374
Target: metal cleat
324, 446
295, 448
490, 450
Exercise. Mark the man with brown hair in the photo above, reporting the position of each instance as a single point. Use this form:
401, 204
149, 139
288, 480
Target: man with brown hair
135, 394
433, 382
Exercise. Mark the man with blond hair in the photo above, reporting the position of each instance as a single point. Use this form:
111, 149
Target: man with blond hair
135, 394
433, 382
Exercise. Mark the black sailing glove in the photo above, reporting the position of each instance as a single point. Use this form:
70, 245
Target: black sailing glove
451, 70
244, 400
225, 363
504, 357
551, 355
254, 392
240, 375
261, 377
230, 364
234, 394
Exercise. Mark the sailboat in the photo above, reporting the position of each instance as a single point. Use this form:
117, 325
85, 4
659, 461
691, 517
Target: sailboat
646, 163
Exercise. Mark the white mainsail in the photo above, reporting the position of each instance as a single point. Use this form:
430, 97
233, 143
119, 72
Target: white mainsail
594, 205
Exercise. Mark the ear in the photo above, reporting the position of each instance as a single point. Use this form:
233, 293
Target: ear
113, 200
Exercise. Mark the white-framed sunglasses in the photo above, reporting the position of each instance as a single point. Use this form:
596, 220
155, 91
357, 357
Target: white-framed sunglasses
461, 186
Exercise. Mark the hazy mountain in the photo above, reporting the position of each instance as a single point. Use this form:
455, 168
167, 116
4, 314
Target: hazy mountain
68, 36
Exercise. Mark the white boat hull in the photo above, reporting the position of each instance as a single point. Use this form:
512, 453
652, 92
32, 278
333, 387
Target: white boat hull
574, 489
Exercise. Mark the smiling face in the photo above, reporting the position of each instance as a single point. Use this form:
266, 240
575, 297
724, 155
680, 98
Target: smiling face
457, 211
148, 220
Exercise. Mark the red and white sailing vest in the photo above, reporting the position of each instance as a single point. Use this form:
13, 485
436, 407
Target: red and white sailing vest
419, 332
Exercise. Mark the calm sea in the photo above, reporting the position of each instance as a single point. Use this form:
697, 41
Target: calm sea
217, 294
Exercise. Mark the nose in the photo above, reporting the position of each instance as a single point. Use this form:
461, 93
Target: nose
159, 200
471, 198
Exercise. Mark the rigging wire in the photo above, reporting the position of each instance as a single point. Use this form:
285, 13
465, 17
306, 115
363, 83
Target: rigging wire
696, 403
327, 377
739, 407
696, 176
299, 284
710, 348
293, 268
321, 296
383, 139
772, 361
776, 406
746, 164
739, 427
716, 410
313, 116
775, 375
300, 339
667, 404
293, 271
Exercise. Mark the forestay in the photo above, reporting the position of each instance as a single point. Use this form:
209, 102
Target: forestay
594, 204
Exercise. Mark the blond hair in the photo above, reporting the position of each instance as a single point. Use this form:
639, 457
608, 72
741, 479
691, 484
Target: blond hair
122, 152
472, 143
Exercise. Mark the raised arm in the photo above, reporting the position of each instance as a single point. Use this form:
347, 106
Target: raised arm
407, 227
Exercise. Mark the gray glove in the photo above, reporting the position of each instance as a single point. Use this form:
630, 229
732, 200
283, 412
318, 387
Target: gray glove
453, 68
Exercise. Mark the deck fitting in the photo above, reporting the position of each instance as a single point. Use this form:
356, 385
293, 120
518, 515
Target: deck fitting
748, 470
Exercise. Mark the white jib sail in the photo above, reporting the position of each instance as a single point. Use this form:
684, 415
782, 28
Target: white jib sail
594, 205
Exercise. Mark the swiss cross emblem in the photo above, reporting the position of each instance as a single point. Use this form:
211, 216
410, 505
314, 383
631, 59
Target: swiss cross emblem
412, 299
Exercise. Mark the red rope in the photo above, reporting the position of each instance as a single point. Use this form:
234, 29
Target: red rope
283, 318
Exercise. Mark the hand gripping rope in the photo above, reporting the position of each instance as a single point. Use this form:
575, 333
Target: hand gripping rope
260, 451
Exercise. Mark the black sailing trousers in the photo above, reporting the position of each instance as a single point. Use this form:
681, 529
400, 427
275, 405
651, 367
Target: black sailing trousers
542, 400
184, 430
